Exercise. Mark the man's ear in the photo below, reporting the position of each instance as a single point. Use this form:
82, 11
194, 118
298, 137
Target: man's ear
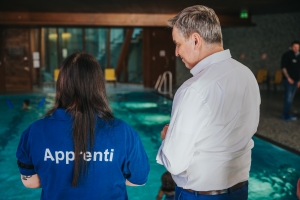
197, 40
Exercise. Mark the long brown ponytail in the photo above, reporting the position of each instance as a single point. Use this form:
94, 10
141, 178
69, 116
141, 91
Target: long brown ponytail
80, 89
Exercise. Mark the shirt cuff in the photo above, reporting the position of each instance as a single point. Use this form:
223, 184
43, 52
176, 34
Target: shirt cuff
158, 157
26, 170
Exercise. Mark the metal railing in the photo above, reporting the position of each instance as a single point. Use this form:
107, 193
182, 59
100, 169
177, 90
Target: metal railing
162, 80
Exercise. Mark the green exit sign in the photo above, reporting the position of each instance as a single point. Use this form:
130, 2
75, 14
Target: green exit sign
244, 14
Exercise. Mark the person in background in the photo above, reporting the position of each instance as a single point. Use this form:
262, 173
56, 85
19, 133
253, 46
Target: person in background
167, 187
79, 150
290, 65
207, 144
26, 103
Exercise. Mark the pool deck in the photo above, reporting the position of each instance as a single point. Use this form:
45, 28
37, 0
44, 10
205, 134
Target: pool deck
271, 126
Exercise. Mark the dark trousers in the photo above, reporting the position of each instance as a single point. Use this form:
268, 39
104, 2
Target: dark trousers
290, 90
239, 194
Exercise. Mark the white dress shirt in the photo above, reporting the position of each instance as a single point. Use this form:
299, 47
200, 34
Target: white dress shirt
214, 116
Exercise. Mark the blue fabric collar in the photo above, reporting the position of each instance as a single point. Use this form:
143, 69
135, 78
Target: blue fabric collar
60, 114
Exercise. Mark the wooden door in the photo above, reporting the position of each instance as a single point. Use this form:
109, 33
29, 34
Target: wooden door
158, 55
15, 59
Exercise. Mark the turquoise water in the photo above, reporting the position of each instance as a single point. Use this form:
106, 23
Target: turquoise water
274, 171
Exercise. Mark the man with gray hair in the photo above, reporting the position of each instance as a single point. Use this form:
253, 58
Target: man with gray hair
207, 145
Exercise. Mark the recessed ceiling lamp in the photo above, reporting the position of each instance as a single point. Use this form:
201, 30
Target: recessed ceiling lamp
52, 36
66, 35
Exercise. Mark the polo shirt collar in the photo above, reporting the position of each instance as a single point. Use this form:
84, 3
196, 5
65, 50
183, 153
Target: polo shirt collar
60, 114
214, 58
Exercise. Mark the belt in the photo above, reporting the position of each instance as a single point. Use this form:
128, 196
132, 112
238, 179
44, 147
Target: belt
217, 192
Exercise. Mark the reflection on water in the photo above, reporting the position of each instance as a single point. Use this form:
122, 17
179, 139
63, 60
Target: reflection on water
277, 184
274, 172
135, 105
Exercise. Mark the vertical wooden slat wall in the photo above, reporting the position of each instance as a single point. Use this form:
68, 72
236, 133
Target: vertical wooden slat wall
30, 53
2, 64
42, 47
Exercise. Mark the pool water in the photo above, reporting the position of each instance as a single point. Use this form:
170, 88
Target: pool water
274, 171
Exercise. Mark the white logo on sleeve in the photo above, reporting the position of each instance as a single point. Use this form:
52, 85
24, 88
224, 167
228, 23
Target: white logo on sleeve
70, 156
294, 61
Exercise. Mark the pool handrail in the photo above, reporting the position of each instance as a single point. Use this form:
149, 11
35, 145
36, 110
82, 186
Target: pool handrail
162, 79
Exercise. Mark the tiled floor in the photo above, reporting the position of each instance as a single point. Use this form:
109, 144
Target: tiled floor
271, 125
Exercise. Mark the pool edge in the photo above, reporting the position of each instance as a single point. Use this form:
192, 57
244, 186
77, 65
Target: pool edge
287, 148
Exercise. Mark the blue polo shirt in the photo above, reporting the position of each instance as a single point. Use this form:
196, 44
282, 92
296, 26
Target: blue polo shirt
46, 148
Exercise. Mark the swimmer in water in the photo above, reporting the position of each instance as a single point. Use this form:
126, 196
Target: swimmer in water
26, 103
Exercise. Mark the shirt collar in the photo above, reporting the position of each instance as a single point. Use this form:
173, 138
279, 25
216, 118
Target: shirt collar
214, 58
60, 114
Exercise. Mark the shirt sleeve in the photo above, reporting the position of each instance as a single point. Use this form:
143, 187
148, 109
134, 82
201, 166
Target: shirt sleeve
189, 116
136, 167
23, 155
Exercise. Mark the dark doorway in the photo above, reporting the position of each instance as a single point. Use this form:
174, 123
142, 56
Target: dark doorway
158, 55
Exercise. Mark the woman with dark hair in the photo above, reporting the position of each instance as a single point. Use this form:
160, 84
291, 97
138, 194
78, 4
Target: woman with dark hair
79, 150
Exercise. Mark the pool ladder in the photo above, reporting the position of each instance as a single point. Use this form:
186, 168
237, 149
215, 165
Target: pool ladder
162, 80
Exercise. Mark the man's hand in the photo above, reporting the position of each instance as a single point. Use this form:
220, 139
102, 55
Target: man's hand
291, 81
298, 189
164, 132
298, 85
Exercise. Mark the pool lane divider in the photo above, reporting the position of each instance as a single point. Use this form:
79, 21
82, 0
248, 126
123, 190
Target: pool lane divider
42, 102
9, 104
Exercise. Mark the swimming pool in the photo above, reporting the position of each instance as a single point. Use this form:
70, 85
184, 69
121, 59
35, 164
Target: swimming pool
274, 171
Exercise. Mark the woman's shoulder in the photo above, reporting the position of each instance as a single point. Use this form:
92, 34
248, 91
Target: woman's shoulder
34, 127
40, 122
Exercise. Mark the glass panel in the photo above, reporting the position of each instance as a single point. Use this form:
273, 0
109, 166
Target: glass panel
135, 62
95, 43
70, 41
51, 62
116, 43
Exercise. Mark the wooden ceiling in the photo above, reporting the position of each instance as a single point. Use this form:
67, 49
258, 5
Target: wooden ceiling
231, 7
